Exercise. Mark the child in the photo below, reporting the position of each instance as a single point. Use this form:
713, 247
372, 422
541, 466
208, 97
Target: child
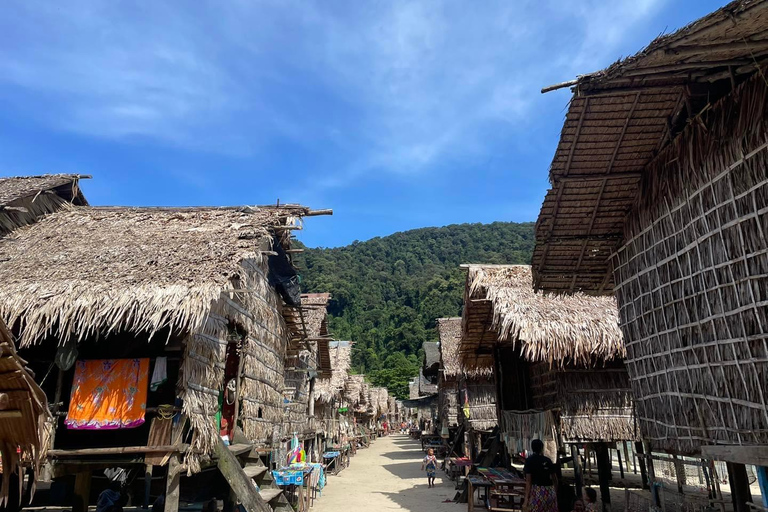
430, 463
591, 494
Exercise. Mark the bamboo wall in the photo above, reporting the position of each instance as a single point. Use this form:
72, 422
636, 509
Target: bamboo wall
482, 402
258, 312
448, 402
692, 281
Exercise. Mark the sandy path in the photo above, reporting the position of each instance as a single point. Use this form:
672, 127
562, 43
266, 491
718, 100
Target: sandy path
387, 476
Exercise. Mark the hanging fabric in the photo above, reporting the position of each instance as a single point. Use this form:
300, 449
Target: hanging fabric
159, 374
108, 394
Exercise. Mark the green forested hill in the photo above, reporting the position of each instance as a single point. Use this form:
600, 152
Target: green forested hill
387, 292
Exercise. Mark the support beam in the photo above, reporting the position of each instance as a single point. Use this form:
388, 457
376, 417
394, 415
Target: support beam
641, 461
740, 494
756, 455
603, 455
82, 491
172, 484
577, 472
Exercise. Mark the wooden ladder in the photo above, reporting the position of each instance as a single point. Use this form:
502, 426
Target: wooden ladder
250, 480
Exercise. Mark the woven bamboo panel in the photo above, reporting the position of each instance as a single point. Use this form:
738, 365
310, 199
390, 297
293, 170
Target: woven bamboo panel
692, 282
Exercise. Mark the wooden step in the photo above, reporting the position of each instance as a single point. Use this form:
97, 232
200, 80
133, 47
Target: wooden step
270, 494
240, 448
254, 470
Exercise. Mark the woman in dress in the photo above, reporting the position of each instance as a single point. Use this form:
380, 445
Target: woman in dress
540, 481
430, 464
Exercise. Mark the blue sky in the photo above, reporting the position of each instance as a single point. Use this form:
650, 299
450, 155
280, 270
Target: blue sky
397, 114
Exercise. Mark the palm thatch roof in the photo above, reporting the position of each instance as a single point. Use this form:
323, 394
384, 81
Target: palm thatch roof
431, 361
315, 313
328, 389
426, 387
82, 270
449, 330
25, 429
24, 199
619, 120
501, 308
413, 389
353, 389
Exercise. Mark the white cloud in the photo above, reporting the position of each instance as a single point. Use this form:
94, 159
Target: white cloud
398, 86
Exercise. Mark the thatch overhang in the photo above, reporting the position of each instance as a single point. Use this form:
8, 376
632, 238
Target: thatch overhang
24, 199
431, 361
315, 313
618, 121
329, 389
413, 389
353, 390
426, 386
502, 309
84, 271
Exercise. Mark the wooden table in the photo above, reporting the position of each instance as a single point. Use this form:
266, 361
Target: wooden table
476, 482
504, 489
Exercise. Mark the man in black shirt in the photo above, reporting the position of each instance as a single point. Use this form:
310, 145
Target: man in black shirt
540, 481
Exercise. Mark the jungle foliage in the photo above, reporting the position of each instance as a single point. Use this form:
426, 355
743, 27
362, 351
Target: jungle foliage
388, 292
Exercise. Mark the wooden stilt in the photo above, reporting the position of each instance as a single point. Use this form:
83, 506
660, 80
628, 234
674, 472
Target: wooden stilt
603, 455
172, 484
626, 456
82, 491
579, 476
641, 460
621, 467
679, 473
740, 494
147, 484
588, 459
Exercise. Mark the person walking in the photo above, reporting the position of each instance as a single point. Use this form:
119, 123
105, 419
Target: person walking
430, 464
540, 481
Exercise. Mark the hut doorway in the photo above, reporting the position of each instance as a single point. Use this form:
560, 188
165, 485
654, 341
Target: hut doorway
230, 400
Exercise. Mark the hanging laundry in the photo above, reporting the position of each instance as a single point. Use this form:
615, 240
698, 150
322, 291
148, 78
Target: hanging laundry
108, 394
160, 373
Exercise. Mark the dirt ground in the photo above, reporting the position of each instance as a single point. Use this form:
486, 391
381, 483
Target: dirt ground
387, 476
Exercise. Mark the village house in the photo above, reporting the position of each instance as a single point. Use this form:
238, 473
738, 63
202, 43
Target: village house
558, 366
188, 312
658, 192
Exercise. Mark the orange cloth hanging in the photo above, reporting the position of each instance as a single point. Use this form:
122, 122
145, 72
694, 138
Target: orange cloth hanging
108, 394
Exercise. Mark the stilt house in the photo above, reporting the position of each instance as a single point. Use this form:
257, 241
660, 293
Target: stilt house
450, 414
331, 424
163, 329
557, 360
658, 187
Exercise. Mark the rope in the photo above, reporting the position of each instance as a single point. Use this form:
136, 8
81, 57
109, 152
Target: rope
165, 412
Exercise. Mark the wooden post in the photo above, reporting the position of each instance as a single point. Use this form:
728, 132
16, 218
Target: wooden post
626, 456
579, 476
147, 484
172, 484
621, 467
740, 494
603, 455
82, 491
641, 461
679, 473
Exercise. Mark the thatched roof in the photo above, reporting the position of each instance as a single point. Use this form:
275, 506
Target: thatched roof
85, 270
501, 307
20, 187
425, 385
618, 121
353, 389
431, 361
449, 330
327, 389
314, 311
413, 389
24, 199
